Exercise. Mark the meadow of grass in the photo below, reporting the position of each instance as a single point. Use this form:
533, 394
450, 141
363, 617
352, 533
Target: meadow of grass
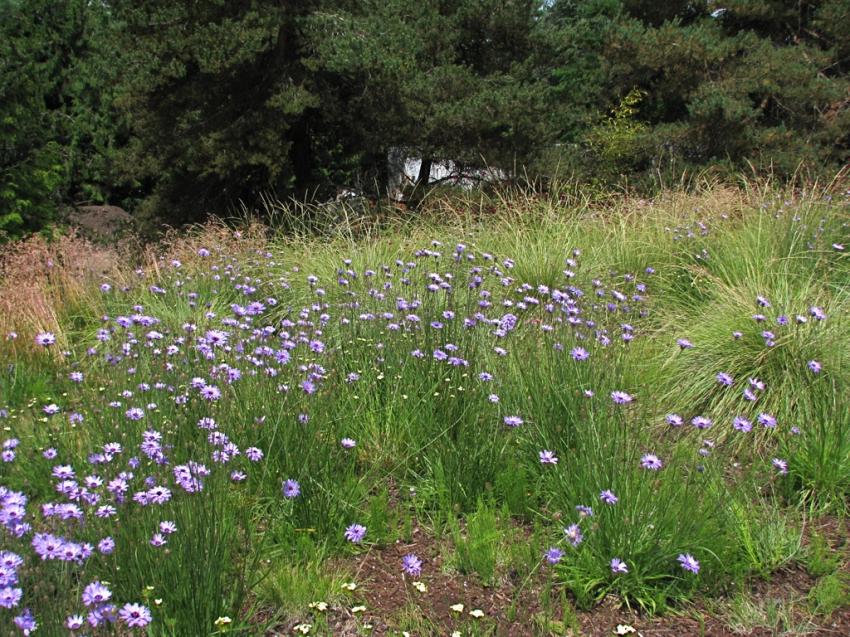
643, 401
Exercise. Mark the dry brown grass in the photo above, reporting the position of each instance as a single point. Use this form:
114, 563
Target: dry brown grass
43, 281
214, 235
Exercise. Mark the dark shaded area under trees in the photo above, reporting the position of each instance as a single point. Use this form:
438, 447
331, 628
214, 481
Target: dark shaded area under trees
176, 109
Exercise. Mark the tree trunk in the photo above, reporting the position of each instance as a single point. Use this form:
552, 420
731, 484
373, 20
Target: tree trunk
424, 172
301, 156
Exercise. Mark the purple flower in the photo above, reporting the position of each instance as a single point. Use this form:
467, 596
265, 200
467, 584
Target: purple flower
651, 462
411, 565
817, 313
291, 489
74, 622
210, 392
701, 422
106, 545
584, 511
767, 420
621, 397
26, 622
725, 379
348, 443
674, 420
513, 421
814, 366
684, 343
780, 465
158, 540
554, 555
45, 338
254, 454
158, 495
134, 413
618, 566
135, 615
10, 597
574, 535
742, 424
579, 354
608, 497
687, 561
95, 594
548, 457
355, 533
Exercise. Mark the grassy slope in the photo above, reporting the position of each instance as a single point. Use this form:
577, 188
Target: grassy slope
430, 427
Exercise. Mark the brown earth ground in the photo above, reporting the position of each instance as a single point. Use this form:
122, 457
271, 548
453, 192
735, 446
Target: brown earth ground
394, 605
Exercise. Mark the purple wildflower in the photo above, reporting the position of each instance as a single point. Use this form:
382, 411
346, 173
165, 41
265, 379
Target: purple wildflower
254, 454
74, 622
355, 533
45, 338
411, 565
742, 424
513, 421
26, 622
766, 420
725, 379
548, 457
554, 555
687, 561
651, 462
574, 535
674, 420
10, 597
701, 422
579, 354
291, 489
621, 397
134, 413
608, 497
158, 540
135, 615
618, 566
95, 594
